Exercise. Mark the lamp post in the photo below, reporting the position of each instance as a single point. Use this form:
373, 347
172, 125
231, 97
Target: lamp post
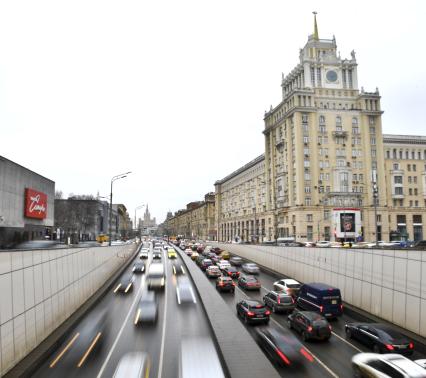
375, 196
115, 178
137, 208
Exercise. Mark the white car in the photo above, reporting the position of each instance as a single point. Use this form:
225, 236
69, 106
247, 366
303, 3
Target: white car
288, 285
222, 264
250, 268
323, 244
385, 365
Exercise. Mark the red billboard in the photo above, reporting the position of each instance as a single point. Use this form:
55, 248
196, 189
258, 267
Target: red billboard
35, 204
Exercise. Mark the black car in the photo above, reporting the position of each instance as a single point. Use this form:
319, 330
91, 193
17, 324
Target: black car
249, 282
231, 272
225, 284
200, 259
380, 337
310, 324
253, 311
126, 284
206, 263
147, 308
138, 267
279, 301
282, 349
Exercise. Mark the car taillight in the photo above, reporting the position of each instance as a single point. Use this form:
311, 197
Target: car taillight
267, 312
321, 308
229, 273
278, 300
309, 329
389, 347
292, 300
307, 355
250, 313
220, 283
233, 283
283, 357
411, 345
341, 307
329, 327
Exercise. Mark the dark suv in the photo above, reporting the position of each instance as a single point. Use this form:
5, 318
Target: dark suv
253, 311
231, 272
205, 264
310, 324
279, 301
225, 284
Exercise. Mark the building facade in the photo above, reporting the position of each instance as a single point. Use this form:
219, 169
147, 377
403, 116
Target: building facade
324, 149
26, 204
197, 221
241, 205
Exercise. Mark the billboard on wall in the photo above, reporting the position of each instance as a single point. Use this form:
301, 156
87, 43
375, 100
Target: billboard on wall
347, 222
35, 204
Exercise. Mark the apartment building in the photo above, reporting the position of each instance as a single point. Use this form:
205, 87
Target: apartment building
241, 207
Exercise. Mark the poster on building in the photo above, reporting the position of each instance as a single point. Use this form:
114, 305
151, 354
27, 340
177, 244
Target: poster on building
347, 222
35, 204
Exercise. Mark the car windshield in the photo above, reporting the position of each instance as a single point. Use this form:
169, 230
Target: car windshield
293, 286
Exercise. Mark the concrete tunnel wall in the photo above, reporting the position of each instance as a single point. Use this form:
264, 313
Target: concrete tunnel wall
40, 289
390, 284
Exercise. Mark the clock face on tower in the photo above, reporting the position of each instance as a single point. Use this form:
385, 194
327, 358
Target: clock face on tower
331, 76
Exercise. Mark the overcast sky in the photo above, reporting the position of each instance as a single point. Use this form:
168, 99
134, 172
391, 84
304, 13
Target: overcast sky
175, 91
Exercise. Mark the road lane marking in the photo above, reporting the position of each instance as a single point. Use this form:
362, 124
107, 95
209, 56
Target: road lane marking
120, 331
163, 336
64, 350
331, 372
92, 345
346, 341
117, 288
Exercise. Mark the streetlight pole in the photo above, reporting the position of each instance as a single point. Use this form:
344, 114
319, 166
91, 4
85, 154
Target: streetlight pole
115, 178
137, 208
375, 196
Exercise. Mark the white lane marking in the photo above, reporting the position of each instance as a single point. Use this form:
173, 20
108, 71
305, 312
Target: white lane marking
331, 372
163, 336
347, 342
121, 330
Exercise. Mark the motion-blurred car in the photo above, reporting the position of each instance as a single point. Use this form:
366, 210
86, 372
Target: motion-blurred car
171, 253
279, 301
288, 285
282, 349
138, 267
184, 291
178, 269
147, 311
385, 365
213, 271
380, 337
309, 244
225, 255
126, 284
224, 283
249, 282
231, 271
156, 276
207, 365
40, 244
188, 252
133, 364
144, 253
253, 311
156, 255
310, 325
194, 256
205, 264
236, 261
251, 268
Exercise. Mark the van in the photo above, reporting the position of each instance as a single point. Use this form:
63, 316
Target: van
321, 298
156, 277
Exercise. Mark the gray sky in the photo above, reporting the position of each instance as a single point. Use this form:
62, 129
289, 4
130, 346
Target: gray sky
175, 91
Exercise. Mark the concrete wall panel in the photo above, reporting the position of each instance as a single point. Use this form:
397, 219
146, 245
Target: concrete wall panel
18, 292
376, 300
399, 300
412, 313
6, 308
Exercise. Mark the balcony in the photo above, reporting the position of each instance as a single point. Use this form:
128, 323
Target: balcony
340, 133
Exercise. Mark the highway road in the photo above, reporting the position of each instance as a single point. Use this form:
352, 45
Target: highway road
331, 358
96, 344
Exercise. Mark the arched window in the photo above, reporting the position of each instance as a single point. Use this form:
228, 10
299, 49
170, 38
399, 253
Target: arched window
394, 153
354, 121
321, 120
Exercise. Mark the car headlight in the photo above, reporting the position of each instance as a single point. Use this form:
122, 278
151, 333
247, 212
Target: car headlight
162, 282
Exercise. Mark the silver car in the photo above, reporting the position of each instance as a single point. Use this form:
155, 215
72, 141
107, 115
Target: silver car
251, 268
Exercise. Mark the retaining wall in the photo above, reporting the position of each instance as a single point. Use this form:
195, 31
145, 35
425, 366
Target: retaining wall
390, 284
40, 289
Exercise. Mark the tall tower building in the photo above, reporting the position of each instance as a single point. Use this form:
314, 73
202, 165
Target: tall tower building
324, 149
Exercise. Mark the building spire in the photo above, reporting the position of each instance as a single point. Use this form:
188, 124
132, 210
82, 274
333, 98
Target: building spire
316, 37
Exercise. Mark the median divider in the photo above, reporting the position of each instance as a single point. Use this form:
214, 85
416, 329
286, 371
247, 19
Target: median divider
44, 350
242, 356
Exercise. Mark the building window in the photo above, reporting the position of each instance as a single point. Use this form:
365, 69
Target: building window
373, 140
414, 167
339, 123
313, 76
350, 78
399, 191
304, 118
309, 218
355, 129
309, 233
372, 120
409, 167
387, 154
395, 166
372, 130
417, 219
307, 189
321, 120
410, 191
415, 179
409, 179
373, 152
308, 201
306, 139
415, 192
307, 176
319, 76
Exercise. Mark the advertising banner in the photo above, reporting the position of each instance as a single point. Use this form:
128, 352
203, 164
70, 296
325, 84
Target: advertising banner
35, 204
347, 222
